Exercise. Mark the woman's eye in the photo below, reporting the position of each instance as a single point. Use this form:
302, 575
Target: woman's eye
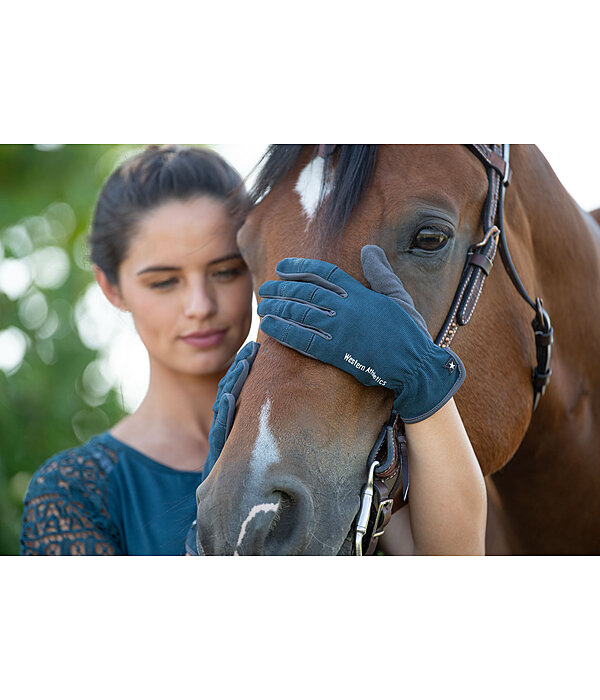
430, 239
227, 274
164, 284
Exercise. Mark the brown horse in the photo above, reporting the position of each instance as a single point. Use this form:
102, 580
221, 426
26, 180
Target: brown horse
290, 476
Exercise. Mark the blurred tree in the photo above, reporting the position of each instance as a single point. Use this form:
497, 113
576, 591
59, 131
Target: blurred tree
51, 394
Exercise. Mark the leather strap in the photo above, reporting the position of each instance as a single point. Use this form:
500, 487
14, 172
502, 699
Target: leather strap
480, 257
481, 261
391, 480
491, 158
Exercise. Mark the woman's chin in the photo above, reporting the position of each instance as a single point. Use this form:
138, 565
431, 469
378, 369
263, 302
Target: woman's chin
216, 361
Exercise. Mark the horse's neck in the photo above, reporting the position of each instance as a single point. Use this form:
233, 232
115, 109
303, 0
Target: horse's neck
552, 485
593, 223
566, 255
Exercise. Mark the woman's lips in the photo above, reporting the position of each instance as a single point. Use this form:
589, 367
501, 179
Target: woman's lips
206, 339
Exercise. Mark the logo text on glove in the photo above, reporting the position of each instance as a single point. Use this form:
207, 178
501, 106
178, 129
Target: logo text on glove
363, 368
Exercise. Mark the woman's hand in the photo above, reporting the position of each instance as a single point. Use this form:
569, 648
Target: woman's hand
375, 334
229, 390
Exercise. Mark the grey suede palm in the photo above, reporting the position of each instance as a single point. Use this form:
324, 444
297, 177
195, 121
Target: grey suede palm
384, 280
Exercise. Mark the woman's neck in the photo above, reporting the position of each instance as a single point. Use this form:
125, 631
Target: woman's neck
172, 423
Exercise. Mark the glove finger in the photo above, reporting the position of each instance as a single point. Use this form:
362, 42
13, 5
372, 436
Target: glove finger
245, 364
383, 280
301, 291
247, 354
248, 351
222, 422
229, 414
288, 333
319, 272
239, 382
228, 381
297, 311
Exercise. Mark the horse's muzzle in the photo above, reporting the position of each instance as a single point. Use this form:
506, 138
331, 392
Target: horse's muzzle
268, 518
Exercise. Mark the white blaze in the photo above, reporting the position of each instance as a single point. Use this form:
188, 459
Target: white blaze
255, 510
308, 186
265, 450
264, 454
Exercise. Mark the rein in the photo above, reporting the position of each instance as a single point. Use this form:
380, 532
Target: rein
388, 460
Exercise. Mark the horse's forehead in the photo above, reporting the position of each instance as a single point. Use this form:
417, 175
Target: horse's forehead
418, 170
444, 174
402, 172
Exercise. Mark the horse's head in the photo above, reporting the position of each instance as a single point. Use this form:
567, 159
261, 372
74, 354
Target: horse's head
290, 476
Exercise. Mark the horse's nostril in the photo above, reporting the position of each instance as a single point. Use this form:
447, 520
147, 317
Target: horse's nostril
277, 518
283, 516
292, 526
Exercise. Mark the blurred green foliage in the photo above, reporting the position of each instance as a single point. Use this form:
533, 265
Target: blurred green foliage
47, 195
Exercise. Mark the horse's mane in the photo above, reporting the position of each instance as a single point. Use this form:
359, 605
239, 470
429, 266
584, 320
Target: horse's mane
349, 170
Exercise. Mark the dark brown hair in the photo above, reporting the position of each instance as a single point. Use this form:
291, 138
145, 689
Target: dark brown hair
157, 175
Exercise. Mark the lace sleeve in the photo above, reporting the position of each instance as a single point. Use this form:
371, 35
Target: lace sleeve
66, 507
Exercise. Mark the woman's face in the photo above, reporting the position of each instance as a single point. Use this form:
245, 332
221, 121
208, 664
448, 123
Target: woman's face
187, 287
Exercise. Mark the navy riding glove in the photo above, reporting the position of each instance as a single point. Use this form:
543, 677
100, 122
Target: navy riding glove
224, 413
376, 335
229, 390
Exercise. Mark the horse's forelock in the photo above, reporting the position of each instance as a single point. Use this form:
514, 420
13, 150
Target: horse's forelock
348, 171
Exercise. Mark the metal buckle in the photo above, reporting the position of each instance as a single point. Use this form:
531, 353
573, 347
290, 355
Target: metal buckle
542, 317
376, 528
493, 231
365, 510
506, 159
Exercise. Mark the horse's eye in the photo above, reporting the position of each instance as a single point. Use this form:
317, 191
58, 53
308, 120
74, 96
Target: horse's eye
430, 239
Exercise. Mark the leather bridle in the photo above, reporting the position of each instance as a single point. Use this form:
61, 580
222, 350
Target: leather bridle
388, 461
480, 259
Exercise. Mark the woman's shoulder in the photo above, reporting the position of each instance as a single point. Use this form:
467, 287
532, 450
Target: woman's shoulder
67, 507
85, 467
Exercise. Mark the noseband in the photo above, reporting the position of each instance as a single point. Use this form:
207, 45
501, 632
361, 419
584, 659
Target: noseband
388, 461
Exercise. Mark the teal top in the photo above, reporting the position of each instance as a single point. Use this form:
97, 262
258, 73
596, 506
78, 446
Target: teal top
105, 497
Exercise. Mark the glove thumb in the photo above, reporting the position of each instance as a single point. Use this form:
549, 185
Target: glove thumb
384, 280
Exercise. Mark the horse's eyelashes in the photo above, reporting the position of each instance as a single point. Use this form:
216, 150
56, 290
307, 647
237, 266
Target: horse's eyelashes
430, 239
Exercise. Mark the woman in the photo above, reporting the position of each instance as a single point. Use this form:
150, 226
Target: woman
163, 247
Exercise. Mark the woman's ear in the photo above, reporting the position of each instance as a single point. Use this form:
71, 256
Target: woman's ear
111, 291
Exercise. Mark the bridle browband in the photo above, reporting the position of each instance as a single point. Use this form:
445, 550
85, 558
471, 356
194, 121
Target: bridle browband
388, 461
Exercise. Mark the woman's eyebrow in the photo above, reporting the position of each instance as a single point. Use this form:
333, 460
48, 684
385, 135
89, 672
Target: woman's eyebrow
232, 256
173, 268
158, 268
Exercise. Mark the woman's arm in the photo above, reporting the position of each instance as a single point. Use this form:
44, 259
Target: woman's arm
448, 503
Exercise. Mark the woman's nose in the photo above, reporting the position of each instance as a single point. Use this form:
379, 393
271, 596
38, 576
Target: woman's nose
199, 303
